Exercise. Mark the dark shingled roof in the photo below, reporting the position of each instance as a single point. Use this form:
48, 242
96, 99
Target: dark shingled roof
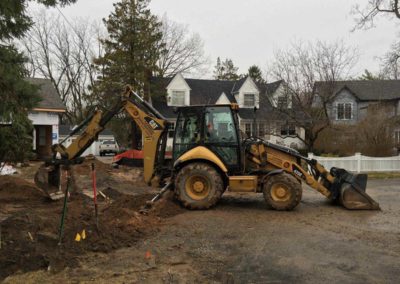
367, 90
48, 93
272, 87
208, 92
65, 130
238, 84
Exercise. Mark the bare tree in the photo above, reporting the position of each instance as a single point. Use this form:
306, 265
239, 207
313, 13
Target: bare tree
183, 51
375, 131
300, 67
366, 15
390, 62
63, 52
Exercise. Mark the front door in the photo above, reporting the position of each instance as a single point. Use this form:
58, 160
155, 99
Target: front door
43, 140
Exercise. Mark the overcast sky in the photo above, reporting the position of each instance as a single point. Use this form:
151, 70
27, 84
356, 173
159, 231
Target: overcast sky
249, 31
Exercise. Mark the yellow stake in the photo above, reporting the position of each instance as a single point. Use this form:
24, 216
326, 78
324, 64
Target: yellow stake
83, 234
78, 237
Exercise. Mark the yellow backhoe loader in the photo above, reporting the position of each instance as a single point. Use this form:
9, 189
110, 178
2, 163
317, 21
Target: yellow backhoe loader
210, 156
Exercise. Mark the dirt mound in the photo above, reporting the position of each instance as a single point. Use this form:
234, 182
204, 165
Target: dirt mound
167, 206
112, 193
85, 167
125, 178
30, 237
14, 189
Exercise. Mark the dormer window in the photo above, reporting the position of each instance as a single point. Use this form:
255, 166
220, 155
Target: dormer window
249, 100
177, 98
282, 102
344, 111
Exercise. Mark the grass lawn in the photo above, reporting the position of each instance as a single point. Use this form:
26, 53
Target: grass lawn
383, 175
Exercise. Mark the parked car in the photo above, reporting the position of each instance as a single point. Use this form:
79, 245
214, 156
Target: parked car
108, 147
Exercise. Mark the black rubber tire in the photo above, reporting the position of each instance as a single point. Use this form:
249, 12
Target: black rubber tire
210, 174
291, 183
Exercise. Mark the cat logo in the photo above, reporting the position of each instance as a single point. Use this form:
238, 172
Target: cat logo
153, 124
297, 172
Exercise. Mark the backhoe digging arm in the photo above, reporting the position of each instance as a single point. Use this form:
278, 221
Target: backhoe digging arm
152, 124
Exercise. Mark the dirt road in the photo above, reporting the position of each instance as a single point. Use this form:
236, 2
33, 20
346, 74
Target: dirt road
241, 241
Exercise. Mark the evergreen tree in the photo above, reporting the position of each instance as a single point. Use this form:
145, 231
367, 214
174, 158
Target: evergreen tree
17, 96
131, 53
131, 49
368, 75
218, 70
255, 73
226, 70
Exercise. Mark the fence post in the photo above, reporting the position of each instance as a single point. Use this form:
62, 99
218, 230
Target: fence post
358, 159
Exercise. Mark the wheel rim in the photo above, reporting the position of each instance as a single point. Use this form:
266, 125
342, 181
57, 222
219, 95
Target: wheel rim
280, 192
197, 187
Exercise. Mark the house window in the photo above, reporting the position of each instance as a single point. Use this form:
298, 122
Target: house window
171, 130
282, 102
344, 111
178, 98
247, 129
288, 130
249, 100
397, 137
261, 130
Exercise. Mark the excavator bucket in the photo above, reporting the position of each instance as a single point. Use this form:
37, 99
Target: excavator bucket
47, 178
351, 190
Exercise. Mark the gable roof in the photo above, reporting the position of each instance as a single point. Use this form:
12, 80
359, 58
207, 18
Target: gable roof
271, 88
47, 92
366, 90
208, 92
238, 84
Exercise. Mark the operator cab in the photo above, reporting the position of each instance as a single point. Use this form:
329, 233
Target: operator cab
214, 127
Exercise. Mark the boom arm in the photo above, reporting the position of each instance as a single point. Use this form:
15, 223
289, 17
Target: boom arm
338, 184
152, 124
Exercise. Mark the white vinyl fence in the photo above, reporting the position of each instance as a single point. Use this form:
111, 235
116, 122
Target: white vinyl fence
359, 163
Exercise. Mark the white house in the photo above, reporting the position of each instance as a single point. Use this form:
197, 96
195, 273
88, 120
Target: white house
270, 124
46, 117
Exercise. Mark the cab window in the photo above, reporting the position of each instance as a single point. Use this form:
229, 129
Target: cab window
219, 125
187, 132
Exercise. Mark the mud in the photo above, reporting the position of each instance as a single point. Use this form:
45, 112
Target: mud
238, 241
128, 180
29, 236
14, 189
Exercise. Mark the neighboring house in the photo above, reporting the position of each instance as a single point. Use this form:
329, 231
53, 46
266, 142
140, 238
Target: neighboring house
271, 125
351, 101
105, 135
46, 117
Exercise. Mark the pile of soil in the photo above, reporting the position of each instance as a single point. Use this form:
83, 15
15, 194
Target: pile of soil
29, 237
14, 189
106, 176
85, 167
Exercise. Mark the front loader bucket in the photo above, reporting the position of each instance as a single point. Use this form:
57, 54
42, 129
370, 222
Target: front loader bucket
47, 179
351, 191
